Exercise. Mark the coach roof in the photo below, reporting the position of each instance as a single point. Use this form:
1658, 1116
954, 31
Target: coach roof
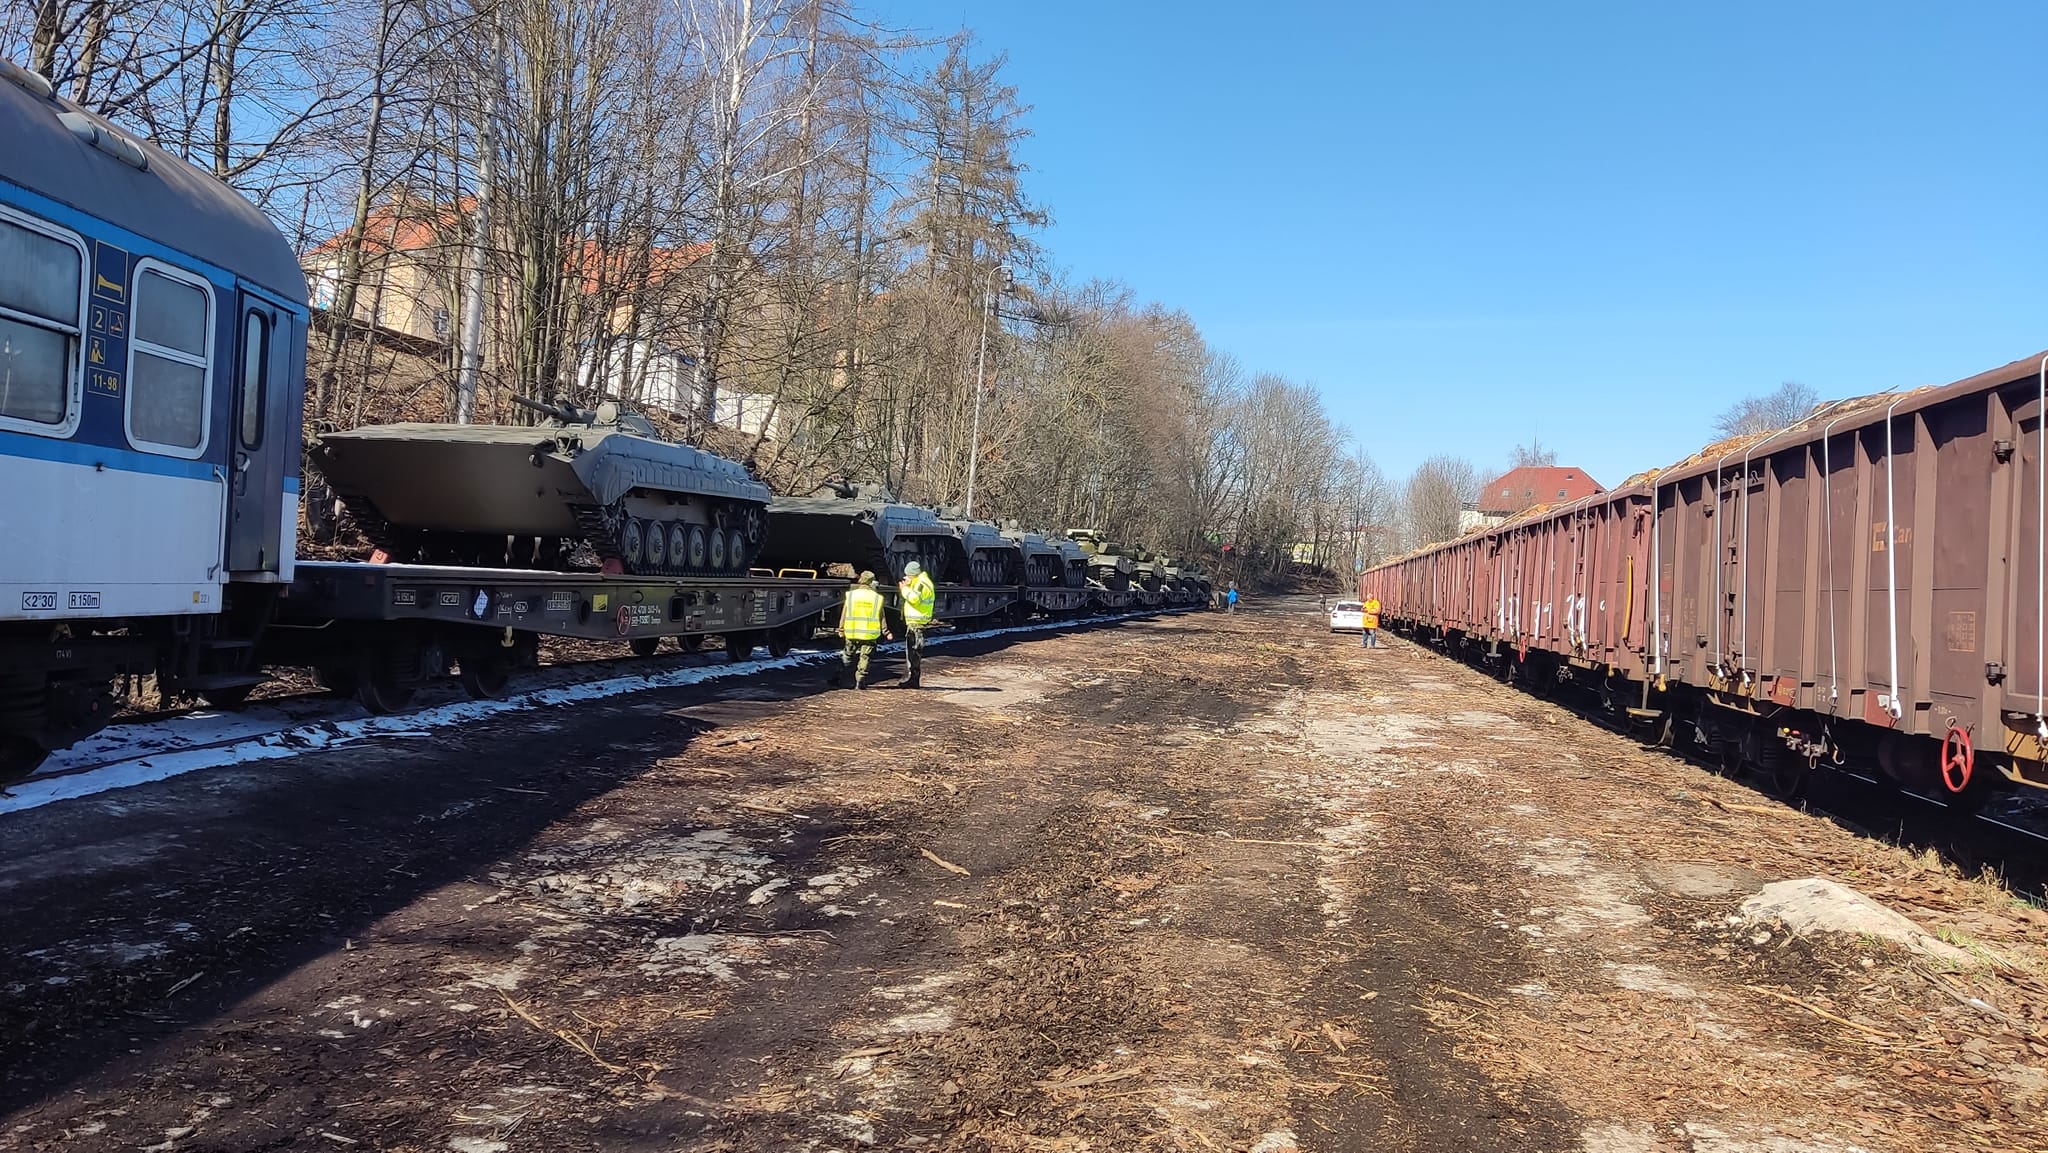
169, 201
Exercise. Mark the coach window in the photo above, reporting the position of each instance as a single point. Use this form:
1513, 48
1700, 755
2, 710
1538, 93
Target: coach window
42, 295
255, 355
170, 346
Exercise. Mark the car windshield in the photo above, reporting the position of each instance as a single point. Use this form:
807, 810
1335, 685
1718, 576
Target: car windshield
1350, 607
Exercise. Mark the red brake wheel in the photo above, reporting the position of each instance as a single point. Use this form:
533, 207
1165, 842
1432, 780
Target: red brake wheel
1958, 759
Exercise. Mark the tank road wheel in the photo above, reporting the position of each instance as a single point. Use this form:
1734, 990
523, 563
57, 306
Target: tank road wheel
678, 549
698, 547
656, 547
718, 550
644, 646
632, 544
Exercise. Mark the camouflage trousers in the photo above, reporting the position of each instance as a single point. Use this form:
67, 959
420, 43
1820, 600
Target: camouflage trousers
913, 651
856, 655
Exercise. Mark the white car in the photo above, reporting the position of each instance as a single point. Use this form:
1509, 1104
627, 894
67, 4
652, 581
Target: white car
1348, 617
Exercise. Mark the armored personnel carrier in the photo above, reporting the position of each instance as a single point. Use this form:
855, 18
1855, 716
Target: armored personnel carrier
1108, 568
1147, 579
1044, 566
862, 527
1073, 562
529, 496
1171, 581
993, 559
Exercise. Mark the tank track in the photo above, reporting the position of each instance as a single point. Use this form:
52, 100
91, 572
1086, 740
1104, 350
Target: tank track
931, 558
421, 546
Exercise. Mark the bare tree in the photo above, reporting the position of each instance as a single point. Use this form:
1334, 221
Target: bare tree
1436, 493
1789, 404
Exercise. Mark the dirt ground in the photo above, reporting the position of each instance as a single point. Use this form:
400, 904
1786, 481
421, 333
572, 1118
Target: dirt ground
1200, 883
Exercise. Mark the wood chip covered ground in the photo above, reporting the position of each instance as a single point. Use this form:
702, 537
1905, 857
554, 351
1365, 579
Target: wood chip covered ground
1210, 882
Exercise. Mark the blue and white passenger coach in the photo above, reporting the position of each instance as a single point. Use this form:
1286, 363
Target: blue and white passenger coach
152, 360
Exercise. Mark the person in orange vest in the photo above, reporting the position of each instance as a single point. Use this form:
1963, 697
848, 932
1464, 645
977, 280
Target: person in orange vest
1370, 618
860, 629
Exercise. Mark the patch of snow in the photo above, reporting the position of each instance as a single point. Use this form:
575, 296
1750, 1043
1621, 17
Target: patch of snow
603, 874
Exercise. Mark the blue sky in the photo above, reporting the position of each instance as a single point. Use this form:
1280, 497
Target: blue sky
1598, 223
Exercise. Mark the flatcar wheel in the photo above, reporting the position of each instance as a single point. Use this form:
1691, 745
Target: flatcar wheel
690, 642
644, 646
1728, 757
484, 678
740, 646
779, 641
1788, 773
337, 679
228, 698
385, 684
19, 756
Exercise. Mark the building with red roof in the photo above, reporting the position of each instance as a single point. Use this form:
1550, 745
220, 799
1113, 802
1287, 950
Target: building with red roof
1531, 485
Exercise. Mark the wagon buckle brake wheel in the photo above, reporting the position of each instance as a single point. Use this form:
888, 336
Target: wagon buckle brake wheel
1958, 759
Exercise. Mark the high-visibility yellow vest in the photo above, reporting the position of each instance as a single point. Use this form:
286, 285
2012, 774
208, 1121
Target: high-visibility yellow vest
860, 615
920, 600
1372, 613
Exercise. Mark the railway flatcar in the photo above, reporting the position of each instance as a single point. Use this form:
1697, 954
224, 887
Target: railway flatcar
1866, 585
152, 337
152, 366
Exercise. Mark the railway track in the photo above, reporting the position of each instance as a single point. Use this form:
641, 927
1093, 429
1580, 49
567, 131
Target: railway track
146, 747
2005, 835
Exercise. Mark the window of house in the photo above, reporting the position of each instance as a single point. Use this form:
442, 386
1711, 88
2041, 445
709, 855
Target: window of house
170, 346
42, 291
326, 283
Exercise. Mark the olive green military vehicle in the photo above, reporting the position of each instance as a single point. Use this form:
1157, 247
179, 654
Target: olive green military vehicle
862, 527
1108, 567
534, 496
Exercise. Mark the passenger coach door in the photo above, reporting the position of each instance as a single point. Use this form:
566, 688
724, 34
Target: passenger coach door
256, 502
